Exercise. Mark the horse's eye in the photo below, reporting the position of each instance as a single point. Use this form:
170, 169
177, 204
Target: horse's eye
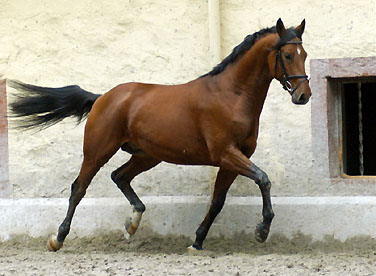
288, 56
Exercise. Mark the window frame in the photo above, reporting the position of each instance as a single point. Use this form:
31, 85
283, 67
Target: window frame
5, 186
327, 76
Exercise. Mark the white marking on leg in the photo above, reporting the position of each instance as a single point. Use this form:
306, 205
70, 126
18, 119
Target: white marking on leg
132, 223
136, 219
192, 249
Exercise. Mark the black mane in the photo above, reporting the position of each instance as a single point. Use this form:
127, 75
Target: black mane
247, 43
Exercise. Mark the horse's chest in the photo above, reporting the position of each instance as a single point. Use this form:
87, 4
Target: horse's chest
248, 139
245, 129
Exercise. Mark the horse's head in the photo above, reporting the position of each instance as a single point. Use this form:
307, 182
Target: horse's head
287, 62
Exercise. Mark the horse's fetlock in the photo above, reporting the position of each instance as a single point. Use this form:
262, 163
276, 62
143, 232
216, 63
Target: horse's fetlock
200, 232
63, 232
140, 208
269, 215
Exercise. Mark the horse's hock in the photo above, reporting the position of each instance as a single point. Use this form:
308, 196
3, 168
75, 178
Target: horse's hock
5, 189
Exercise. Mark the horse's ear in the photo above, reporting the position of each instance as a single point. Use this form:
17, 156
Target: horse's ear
280, 28
300, 29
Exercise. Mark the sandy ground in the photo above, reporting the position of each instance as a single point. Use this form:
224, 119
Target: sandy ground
111, 255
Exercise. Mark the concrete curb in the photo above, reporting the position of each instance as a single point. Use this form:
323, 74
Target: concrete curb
340, 217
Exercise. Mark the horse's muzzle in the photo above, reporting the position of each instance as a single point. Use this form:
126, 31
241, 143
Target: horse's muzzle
300, 98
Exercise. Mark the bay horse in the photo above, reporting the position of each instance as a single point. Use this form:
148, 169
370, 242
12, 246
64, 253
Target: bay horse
212, 120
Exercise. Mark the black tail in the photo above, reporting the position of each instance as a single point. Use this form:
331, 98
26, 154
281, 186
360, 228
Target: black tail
42, 107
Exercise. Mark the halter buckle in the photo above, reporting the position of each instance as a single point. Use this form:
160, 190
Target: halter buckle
288, 86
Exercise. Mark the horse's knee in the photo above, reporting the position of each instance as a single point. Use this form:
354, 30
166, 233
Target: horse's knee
262, 180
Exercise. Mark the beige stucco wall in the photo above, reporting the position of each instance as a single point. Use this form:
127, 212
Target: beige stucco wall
99, 45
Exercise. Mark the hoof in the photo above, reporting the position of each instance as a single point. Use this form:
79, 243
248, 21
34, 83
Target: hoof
132, 223
127, 236
53, 244
261, 232
193, 249
130, 228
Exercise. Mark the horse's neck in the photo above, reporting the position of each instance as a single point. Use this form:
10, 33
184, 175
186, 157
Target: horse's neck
250, 77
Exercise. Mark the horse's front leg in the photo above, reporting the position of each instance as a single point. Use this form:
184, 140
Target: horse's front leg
234, 160
262, 229
222, 184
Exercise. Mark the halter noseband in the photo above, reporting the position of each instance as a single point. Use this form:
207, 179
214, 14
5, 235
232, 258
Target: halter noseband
286, 83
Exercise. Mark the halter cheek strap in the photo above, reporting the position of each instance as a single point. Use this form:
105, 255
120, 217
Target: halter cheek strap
286, 79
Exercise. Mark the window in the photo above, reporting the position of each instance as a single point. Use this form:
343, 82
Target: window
358, 128
343, 90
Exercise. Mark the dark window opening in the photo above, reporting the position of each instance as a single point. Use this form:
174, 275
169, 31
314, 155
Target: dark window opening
350, 128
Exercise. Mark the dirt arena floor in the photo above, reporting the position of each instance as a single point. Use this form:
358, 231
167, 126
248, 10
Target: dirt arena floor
111, 255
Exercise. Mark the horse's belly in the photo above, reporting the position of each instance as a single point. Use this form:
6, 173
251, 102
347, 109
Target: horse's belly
176, 151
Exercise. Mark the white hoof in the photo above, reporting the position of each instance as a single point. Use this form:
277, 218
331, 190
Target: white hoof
192, 249
132, 223
53, 244
127, 236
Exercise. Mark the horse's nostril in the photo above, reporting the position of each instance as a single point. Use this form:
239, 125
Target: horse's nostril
302, 98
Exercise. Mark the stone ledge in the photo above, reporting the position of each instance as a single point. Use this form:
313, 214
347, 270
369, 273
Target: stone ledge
340, 217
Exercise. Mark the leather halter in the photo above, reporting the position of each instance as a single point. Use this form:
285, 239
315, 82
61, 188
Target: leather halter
286, 83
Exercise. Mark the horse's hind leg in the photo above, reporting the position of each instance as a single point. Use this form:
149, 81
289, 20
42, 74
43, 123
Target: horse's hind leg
98, 149
222, 184
123, 177
78, 191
